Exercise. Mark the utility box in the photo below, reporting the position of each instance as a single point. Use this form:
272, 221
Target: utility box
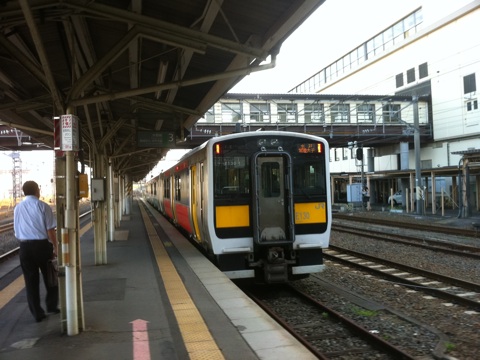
98, 190
354, 193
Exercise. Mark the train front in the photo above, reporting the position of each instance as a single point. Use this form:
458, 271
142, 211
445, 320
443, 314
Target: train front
270, 211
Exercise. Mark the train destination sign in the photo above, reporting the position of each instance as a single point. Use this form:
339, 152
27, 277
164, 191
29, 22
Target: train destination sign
156, 139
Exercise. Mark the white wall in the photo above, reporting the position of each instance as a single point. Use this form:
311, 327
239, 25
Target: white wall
452, 52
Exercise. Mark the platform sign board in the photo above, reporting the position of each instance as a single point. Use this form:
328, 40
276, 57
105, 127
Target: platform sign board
69, 133
156, 139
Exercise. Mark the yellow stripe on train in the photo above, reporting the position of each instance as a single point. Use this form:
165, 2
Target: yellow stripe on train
232, 216
310, 213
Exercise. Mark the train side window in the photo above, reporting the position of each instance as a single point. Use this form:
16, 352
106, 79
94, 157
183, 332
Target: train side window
167, 188
178, 190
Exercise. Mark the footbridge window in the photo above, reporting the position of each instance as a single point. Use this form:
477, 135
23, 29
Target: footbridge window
340, 113
366, 113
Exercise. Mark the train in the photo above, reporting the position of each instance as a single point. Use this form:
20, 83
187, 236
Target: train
257, 203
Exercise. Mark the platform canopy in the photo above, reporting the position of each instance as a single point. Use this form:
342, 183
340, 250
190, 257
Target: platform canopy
135, 72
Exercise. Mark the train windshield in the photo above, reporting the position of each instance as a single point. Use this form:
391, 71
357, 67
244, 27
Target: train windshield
309, 175
232, 168
232, 175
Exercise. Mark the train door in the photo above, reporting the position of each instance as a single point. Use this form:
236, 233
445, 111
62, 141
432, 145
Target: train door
272, 215
195, 206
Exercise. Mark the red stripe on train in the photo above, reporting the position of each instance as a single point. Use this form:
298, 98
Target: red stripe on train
182, 217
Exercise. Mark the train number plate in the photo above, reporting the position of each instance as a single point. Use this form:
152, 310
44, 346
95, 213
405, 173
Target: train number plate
310, 213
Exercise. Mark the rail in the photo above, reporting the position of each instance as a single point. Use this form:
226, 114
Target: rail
5, 228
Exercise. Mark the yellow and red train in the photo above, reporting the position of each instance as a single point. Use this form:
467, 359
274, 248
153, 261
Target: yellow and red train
257, 202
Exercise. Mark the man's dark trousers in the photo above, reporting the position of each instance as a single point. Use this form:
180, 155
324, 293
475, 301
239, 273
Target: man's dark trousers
34, 255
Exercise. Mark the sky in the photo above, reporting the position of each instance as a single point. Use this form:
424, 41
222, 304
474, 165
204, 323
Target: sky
334, 29
37, 165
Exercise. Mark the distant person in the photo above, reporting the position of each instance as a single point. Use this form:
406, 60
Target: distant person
34, 226
365, 197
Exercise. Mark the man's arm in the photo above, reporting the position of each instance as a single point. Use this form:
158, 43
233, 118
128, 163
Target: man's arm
52, 236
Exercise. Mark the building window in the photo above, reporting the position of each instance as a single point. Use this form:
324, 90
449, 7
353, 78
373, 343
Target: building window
398, 32
378, 44
388, 38
209, 116
422, 70
339, 69
472, 105
361, 57
260, 112
391, 36
370, 49
469, 84
231, 112
409, 25
365, 113
287, 112
314, 113
340, 113
399, 80
410, 75
337, 154
391, 113
426, 164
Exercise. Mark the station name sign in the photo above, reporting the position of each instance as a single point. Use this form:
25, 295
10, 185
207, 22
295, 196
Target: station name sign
156, 139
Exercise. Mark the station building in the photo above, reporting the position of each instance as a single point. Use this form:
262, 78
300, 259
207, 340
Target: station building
425, 53
406, 98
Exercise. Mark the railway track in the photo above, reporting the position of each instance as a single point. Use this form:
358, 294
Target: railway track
448, 288
325, 332
6, 234
6, 227
426, 241
473, 233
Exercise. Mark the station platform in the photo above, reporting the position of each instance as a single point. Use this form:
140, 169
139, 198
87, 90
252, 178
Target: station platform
157, 298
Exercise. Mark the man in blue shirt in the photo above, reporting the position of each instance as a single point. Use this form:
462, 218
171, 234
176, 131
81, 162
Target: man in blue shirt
34, 226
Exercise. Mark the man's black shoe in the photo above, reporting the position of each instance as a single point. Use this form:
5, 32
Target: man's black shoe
40, 318
54, 311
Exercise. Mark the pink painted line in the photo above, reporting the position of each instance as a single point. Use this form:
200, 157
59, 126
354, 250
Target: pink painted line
141, 345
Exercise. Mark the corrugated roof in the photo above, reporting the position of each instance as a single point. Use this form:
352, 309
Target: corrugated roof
145, 64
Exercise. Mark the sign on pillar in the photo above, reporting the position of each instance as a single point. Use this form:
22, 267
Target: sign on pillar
70, 133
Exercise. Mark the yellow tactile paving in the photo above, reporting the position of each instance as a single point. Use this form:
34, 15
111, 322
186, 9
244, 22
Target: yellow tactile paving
11, 290
198, 340
84, 229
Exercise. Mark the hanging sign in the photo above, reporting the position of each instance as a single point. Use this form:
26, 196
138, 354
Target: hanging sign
156, 139
69, 133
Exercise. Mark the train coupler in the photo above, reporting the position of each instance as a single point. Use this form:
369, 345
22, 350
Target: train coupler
275, 273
